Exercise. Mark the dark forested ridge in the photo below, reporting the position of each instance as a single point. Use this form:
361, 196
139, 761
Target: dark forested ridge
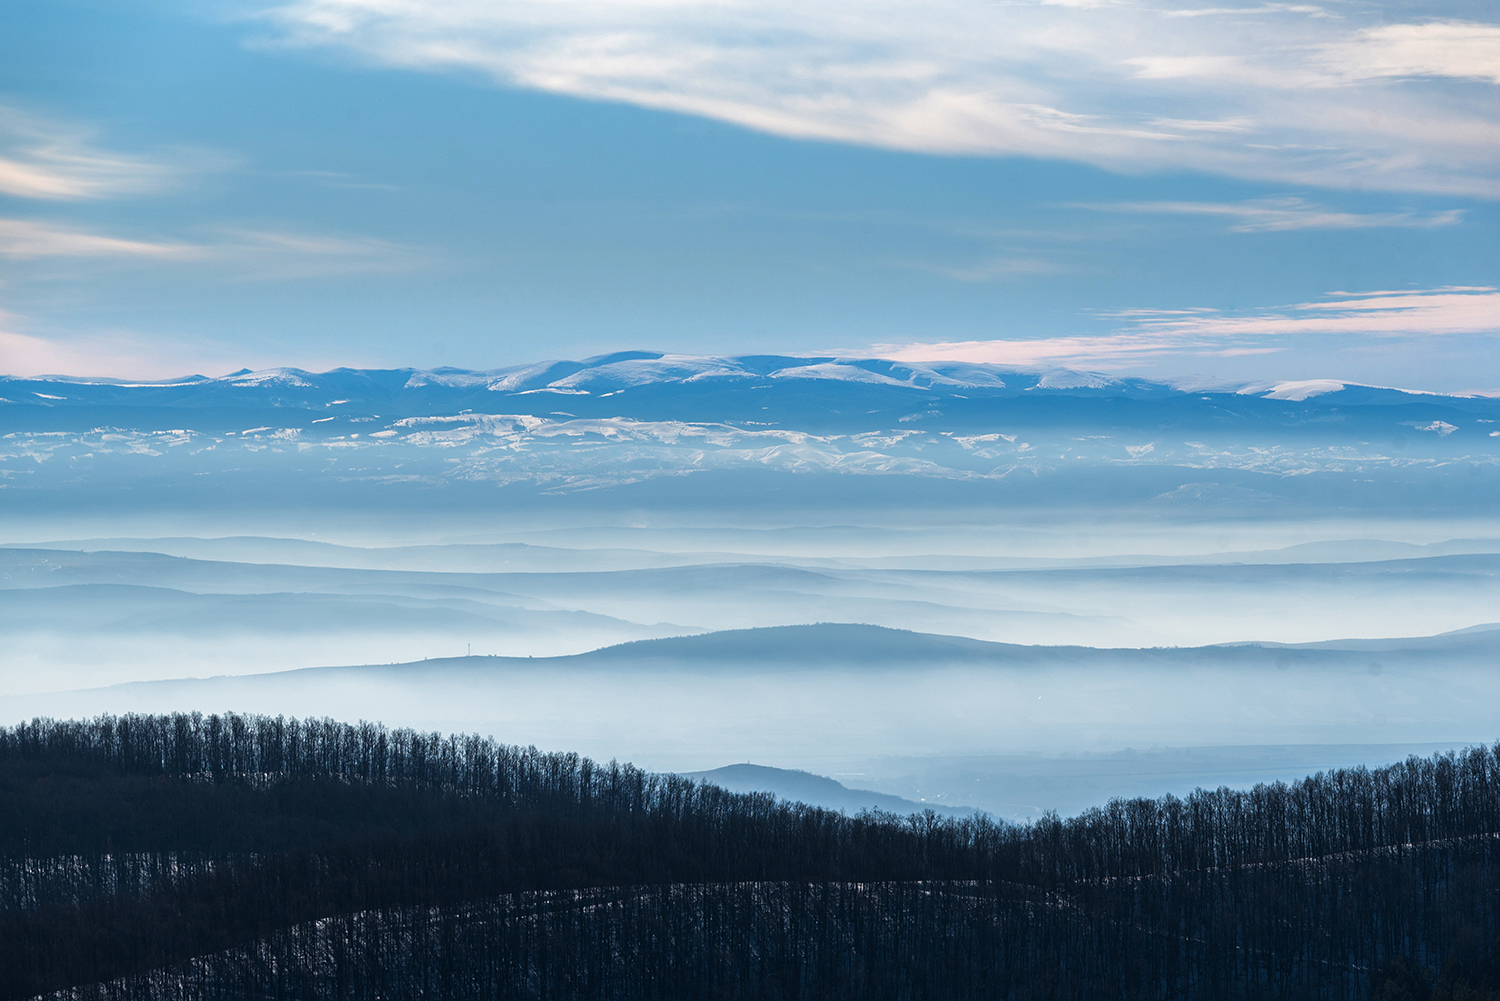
235, 856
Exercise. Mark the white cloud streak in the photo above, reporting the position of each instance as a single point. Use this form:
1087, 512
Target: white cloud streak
1467, 310
27, 238
1155, 335
1265, 8
268, 254
1270, 215
49, 161
251, 253
1106, 352
1288, 94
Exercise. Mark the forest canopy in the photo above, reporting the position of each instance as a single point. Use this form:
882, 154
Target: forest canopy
231, 855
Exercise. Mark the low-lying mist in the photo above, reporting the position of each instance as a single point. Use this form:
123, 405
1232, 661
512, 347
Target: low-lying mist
96, 612
841, 700
1113, 532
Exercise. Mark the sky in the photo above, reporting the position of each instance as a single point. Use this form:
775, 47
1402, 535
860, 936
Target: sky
1163, 188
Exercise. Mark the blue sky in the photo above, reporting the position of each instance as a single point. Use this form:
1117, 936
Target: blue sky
1238, 192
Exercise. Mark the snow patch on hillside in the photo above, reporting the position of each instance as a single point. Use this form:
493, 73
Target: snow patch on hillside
1296, 392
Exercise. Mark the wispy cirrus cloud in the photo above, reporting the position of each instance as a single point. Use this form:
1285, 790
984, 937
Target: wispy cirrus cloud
234, 255
1265, 8
52, 161
249, 253
29, 238
1112, 351
1408, 313
1186, 334
1294, 92
273, 254
1270, 215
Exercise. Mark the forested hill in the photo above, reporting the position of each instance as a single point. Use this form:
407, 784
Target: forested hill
232, 856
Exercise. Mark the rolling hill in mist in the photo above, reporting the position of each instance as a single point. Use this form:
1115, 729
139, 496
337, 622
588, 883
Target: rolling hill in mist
905, 708
1059, 563
80, 618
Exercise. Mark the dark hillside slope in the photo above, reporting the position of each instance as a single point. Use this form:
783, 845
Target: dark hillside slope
235, 857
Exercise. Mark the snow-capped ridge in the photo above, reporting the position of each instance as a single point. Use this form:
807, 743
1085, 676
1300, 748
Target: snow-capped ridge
838, 371
1066, 378
452, 378
1299, 391
624, 373
294, 377
712, 388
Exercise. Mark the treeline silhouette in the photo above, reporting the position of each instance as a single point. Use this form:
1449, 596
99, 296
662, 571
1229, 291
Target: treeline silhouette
247, 856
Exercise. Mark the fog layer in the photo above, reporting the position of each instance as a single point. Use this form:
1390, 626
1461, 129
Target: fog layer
1112, 532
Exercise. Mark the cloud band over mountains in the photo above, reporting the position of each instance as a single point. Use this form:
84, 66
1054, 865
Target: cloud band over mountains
1154, 334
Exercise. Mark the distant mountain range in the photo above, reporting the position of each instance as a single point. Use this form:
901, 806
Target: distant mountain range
814, 394
649, 429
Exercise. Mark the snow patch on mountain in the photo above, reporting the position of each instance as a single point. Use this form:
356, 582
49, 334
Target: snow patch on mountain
274, 377
1068, 379
838, 371
449, 378
647, 371
1306, 389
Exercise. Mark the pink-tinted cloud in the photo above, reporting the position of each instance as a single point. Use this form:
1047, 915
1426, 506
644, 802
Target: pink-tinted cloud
127, 355
1466, 310
1150, 336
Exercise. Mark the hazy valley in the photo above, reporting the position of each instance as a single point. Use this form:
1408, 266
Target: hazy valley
1112, 544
